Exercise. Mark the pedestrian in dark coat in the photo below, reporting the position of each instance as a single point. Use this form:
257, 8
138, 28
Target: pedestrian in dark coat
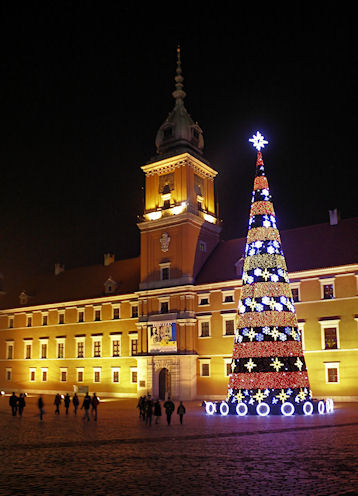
57, 403
141, 407
169, 409
157, 411
181, 411
86, 406
40, 404
95, 403
21, 403
67, 402
75, 402
148, 410
13, 404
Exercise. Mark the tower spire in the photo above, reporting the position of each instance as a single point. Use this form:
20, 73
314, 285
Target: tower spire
179, 93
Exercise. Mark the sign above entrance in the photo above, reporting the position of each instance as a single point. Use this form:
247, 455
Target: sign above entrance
162, 337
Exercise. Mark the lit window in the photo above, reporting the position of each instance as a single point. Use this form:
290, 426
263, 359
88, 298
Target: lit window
116, 375
332, 372
330, 338
116, 347
134, 375
204, 368
204, 328
80, 349
97, 348
63, 375
327, 289
202, 246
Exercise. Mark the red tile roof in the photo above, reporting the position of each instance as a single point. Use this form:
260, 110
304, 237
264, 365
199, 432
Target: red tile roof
312, 247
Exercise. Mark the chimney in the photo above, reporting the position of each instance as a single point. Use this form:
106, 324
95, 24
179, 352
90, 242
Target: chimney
108, 259
59, 268
333, 217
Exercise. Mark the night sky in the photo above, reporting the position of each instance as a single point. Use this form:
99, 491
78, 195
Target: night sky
85, 87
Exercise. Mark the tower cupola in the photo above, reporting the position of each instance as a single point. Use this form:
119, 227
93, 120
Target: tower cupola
179, 133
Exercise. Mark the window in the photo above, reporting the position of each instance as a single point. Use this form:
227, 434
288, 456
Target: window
134, 311
8, 375
29, 321
9, 350
11, 322
330, 334
28, 350
116, 347
97, 315
327, 289
61, 318
295, 293
204, 328
164, 306
97, 348
116, 375
43, 346
301, 326
228, 297
227, 362
44, 375
80, 374
60, 349
32, 375
229, 327
203, 299
204, 367
134, 346
97, 374
80, 316
63, 375
332, 372
44, 319
165, 273
330, 338
116, 313
202, 246
134, 375
80, 349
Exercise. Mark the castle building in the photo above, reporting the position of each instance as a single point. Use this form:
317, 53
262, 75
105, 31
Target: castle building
163, 323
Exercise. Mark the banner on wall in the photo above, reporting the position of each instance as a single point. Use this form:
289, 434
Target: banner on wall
162, 337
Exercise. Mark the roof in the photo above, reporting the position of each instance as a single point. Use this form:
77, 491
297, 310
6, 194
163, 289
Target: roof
76, 284
313, 247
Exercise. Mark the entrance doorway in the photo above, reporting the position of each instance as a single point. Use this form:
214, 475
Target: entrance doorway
164, 384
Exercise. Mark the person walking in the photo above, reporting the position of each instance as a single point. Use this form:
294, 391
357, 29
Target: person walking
169, 409
40, 404
148, 410
75, 402
157, 411
141, 407
67, 402
95, 403
181, 411
21, 403
86, 406
57, 403
13, 404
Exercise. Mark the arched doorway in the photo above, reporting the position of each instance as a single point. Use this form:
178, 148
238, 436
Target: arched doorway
164, 384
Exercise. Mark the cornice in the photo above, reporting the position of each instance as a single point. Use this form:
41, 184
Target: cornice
172, 163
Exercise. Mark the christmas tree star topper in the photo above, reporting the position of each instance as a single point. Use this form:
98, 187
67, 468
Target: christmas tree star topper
258, 141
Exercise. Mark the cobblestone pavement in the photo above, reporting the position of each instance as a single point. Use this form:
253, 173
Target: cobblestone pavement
119, 455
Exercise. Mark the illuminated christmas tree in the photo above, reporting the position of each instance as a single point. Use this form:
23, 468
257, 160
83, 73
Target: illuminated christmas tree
269, 373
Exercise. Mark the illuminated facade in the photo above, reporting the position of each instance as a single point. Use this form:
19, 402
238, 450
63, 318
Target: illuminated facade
163, 323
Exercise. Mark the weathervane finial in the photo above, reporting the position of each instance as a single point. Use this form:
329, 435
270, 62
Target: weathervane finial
258, 141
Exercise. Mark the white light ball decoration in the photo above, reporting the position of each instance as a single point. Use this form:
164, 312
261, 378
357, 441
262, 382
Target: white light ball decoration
224, 408
329, 405
263, 409
307, 408
241, 409
210, 408
287, 409
321, 407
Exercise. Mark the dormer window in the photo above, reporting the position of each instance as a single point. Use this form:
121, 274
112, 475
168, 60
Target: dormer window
110, 286
24, 298
168, 132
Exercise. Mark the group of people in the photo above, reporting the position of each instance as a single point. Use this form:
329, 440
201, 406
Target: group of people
147, 408
17, 404
88, 402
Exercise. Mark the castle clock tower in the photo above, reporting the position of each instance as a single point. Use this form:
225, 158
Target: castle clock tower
179, 230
